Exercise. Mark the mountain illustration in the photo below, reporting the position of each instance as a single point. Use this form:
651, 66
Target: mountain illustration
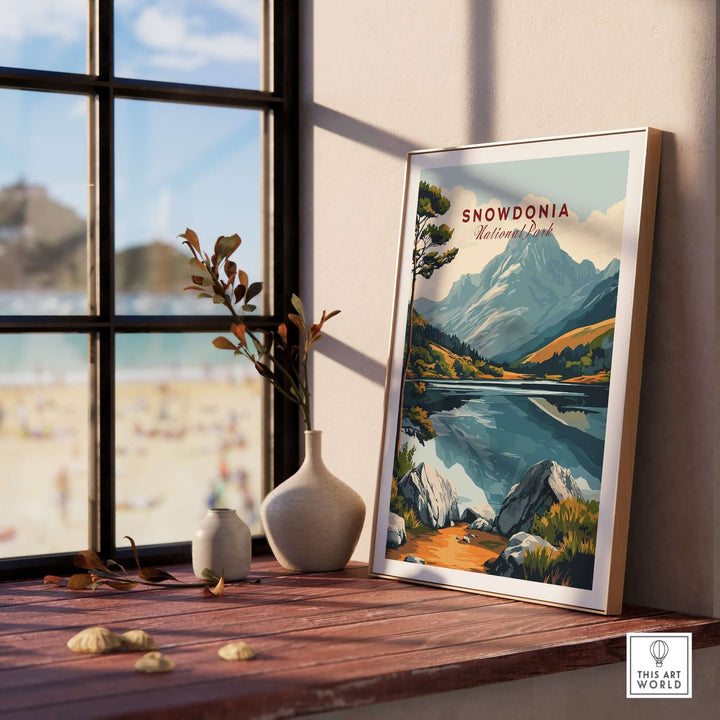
524, 297
43, 245
598, 306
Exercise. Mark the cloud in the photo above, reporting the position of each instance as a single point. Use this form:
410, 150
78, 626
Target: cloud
64, 20
183, 41
246, 10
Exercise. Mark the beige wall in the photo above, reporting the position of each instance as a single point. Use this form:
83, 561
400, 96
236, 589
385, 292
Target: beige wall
382, 77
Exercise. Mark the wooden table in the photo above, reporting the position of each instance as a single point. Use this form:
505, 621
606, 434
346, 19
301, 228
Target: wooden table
323, 641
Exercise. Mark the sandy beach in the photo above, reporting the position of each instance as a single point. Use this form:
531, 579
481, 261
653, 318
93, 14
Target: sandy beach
182, 445
445, 548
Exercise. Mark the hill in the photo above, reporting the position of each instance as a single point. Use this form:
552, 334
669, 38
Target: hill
581, 336
43, 245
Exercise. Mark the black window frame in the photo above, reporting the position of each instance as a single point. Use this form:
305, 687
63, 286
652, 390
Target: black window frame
282, 104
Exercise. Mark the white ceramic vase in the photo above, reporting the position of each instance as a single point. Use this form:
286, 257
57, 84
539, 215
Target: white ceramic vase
222, 543
313, 519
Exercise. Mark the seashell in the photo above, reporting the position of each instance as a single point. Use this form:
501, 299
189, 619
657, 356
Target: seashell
154, 662
236, 651
94, 640
138, 640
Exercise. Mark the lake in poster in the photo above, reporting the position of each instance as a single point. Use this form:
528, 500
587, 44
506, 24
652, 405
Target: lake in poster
498, 411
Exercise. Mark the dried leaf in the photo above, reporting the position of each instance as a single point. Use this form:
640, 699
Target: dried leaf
264, 370
194, 287
208, 574
297, 321
155, 575
79, 581
218, 299
191, 239
55, 580
242, 278
230, 269
225, 247
222, 343
194, 262
119, 584
252, 291
249, 308
216, 591
113, 564
204, 295
297, 303
238, 331
134, 551
89, 560
239, 292
282, 332
330, 315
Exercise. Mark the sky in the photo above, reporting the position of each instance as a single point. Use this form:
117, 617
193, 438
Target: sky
176, 166
593, 187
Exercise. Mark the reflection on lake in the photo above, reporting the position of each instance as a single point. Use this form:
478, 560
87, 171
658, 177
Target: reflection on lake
489, 433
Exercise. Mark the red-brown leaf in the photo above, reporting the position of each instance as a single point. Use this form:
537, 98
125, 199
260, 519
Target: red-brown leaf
79, 581
239, 332
89, 560
191, 239
297, 321
155, 575
55, 580
119, 584
223, 343
216, 591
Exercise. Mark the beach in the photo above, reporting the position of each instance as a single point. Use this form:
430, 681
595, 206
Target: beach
184, 442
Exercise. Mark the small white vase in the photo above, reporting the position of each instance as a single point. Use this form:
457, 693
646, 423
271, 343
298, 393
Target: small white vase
313, 520
222, 543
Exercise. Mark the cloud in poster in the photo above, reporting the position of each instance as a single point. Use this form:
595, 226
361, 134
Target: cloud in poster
598, 238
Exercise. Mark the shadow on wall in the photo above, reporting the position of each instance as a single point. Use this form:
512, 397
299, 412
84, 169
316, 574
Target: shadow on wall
479, 70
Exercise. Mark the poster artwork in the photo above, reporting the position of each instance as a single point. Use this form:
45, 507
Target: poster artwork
507, 363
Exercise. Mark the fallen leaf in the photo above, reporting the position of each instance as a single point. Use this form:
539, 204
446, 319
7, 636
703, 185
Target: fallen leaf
216, 591
79, 581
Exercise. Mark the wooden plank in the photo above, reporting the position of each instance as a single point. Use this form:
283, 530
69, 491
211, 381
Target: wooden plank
34, 648
323, 641
336, 641
319, 685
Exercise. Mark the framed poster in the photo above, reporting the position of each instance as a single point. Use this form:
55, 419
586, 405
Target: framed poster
515, 365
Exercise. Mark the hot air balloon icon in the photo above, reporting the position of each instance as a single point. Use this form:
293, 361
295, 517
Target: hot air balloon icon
659, 650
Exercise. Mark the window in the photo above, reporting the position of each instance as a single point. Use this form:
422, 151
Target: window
123, 124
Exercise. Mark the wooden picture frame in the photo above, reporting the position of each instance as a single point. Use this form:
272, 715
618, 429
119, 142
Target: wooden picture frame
521, 291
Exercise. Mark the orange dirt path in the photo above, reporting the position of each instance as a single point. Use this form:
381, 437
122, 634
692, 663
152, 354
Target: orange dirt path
441, 548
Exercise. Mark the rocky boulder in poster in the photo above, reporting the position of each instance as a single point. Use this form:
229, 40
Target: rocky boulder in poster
510, 562
544, 484
431, 495
396, 535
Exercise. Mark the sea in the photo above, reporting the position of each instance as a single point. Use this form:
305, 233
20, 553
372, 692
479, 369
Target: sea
49, 358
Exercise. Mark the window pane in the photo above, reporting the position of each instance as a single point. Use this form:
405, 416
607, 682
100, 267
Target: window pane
188, 436
44, 34
181, 166
43, 443
190, 41
43, 203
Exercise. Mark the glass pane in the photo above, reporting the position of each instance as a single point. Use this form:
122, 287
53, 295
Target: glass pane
181, 166
44, 34
188, 436
43, 203
190, 41
43, 444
